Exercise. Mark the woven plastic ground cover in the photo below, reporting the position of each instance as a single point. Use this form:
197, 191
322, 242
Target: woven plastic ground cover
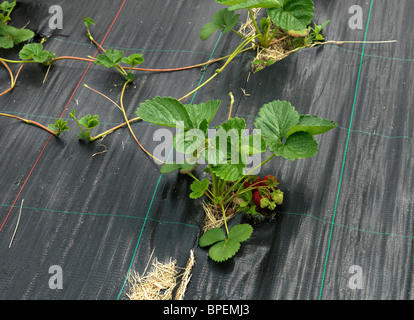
100, 215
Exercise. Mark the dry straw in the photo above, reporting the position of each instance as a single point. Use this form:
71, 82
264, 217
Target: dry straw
160, 282
213, 217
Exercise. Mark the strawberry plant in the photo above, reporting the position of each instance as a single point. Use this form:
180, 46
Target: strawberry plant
225, 155
113, 58
85, 124
289, 15
9, 35
287, 20
55, 128
34, 53
58, 127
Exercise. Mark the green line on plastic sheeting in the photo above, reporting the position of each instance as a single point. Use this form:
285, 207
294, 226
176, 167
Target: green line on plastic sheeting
345, 153
370, 55
156, 187
348, 227
206, 54
132, 49
106, 215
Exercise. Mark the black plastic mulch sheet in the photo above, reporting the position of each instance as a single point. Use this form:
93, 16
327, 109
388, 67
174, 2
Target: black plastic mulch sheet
98, 210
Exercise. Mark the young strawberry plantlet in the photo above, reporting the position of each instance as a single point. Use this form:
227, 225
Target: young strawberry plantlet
88, 21
85, 124
56, 129
312, 37
286, 19
284, 14
279, 128
113, 58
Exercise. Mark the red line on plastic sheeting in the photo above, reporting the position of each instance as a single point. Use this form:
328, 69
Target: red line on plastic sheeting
70, 99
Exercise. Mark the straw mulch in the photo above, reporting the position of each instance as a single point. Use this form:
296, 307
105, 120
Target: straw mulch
160, 283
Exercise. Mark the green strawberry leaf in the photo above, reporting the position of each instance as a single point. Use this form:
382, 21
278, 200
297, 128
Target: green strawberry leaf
312, 125
129, 76
299, 145
189, 142
30, 50
16, 35
88, 21
7, 6
293, 14
203, 111
112, 58
238, 124
250, 144
249, 4
229, 171
21, 35
265, 24
287, 134
53, 127
240, 232
6, 42
225, 156
224, 250
222, 19
198, 188
211, 236
34, 51
59, 126
170, 112
165, 111
230, 133
82, 136
89, 122
275, 120
239, 148
133, 59
171, 167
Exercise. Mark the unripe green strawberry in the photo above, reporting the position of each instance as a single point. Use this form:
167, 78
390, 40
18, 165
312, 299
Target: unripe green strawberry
272, 206
264, 202
260, 201
277, 197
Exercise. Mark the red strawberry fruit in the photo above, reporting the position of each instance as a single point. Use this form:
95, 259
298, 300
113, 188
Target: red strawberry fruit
252, 180
266, 179
260, 201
